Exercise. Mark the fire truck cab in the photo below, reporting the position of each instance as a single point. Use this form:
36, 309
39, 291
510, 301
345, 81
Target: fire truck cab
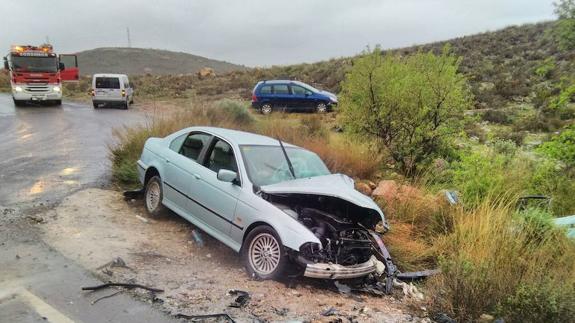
37, 73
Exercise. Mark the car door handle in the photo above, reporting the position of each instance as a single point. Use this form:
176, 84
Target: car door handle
197, 176
167, 161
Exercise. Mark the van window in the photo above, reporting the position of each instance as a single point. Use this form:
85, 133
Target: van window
281, 89
266, 89
107, 83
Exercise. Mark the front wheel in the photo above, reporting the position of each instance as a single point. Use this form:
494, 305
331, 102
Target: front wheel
321, 108
153, 196
263, 253
19, 103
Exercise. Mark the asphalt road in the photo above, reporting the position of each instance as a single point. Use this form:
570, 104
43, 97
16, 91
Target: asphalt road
47, 153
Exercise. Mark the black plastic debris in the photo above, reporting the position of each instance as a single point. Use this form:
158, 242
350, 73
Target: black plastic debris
241, 300
329, 312
135, 194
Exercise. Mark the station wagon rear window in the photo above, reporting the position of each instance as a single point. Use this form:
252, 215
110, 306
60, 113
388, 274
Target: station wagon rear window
107, 83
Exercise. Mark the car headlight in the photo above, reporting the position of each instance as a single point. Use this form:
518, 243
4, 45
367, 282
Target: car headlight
18, 89
56, 89
333, 99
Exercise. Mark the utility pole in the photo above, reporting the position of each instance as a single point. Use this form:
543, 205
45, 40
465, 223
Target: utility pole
129, 40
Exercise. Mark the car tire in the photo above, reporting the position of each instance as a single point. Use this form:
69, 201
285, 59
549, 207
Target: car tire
153, 196
19, 103
266, 109
263, 253
321, 107
57, 102
95, 105
126, 105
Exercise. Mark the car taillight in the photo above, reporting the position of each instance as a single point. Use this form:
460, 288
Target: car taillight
123, 92
92, 92
254, 98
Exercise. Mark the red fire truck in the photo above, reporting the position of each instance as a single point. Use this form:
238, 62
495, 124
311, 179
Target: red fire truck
37, 73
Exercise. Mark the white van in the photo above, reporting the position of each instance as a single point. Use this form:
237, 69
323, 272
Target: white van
112, 89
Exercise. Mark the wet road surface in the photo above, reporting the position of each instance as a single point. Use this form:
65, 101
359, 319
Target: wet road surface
46, 153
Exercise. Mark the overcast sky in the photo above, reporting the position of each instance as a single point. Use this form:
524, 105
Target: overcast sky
258, 32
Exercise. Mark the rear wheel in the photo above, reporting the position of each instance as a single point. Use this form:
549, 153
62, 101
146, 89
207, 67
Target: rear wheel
126, 104
321, 107
266, 108
263, 253
153, 196
57, 102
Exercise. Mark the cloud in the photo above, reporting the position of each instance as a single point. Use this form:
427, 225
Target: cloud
258, 32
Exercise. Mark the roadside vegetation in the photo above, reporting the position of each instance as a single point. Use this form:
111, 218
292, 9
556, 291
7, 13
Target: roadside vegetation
490, 116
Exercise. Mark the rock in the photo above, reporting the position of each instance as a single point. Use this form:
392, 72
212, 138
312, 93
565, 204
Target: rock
363, 188
206, 72
371, 184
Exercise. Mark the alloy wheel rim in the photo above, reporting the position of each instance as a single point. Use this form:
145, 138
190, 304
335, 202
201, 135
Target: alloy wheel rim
153, 196
264, 255
266, 109
321, 107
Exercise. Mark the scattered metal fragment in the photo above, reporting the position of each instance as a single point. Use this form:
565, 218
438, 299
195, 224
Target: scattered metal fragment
241, 300
416, 275
136, 194
342, 288
126, 285
201, 318
197, 237
143, 219
329, 312
104, 297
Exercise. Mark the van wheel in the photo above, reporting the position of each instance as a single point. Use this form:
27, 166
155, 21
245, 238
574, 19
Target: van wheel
95, 105
321, 108
263, 253
19, 103
126, 104
57, 102
266, 109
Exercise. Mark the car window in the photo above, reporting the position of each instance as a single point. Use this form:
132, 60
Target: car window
176, 144
107, 83
193, 145
281, 89
297, 90
266, 89
222, 157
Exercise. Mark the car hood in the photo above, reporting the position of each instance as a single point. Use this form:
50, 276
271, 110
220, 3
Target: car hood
329, 94
335, 185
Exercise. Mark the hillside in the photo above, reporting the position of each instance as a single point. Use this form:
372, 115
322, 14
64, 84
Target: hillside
147, 61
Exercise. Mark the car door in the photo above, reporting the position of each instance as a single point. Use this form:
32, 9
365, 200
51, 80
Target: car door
219, 199
300, 97
282, 96
71, 72
181, 171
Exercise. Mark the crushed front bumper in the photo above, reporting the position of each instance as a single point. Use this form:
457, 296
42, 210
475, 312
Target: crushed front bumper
335, 271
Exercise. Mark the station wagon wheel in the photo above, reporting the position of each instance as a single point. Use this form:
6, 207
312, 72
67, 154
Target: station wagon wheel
263, 253
266, 109
153, 196
321, 108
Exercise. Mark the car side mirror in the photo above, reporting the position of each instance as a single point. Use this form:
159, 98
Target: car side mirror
61, 66
226, 175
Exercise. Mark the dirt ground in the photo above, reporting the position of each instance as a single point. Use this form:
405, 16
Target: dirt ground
94, 226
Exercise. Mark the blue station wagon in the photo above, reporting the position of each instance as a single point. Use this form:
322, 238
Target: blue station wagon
273, 202
290, 95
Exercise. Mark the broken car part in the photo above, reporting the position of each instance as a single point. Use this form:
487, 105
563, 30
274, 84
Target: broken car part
202, 318
135, 194
241, 300
126, 285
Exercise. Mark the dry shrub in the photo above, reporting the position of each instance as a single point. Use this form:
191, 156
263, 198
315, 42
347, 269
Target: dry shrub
498, 262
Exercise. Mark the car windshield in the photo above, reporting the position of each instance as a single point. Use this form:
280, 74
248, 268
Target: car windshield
306, 86
267, 164
34, 64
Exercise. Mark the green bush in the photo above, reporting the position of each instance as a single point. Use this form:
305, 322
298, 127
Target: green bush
237, 111
410, 105
561, 147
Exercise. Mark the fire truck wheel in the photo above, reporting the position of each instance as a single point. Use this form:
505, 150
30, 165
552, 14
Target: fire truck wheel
19, 103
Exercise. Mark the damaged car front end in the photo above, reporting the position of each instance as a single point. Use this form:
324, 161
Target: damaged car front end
339, 216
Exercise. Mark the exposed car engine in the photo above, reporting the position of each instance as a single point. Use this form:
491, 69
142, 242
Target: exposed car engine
342, 227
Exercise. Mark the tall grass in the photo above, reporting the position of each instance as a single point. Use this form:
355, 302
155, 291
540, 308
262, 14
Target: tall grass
354, 159
501, 262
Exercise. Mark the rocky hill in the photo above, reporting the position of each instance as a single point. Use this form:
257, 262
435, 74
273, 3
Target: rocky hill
147, 61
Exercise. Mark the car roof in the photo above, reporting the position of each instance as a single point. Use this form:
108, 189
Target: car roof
110, 75
239, 137
277, 81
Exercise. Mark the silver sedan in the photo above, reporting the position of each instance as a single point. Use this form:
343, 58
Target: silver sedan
273, 202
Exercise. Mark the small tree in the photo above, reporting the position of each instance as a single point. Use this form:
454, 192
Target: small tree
411, 105
565, 27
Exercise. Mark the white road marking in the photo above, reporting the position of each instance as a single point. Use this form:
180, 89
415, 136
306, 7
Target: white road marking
42, 308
